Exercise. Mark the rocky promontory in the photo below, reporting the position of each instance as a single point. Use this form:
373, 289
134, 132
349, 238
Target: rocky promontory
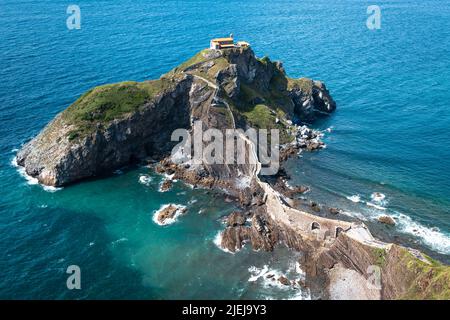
115, 125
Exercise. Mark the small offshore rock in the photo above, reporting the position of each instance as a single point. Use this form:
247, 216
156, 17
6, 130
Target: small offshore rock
169, 212
166, 185
386, 220
315, 207
335, 211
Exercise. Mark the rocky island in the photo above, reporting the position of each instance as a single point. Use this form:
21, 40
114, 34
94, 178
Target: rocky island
114, 125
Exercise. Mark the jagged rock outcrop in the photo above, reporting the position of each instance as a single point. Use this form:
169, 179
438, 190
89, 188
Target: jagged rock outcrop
311, 99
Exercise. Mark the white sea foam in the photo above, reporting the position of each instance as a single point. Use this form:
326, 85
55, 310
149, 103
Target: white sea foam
169, 176
377, 197
191, 186
178, 212
243, 182
145, 179
32, 180
218, 242
51, 188
116, 242
373, 205
378, 200
432, 237
257, 273
192, 201
268, 278
355, 198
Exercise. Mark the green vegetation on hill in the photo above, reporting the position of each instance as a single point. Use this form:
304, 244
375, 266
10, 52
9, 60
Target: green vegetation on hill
380, 257
265, 60
199, 57
210, 73
262, 107
275, 97
431, 280
108, 102
260, 116
304, 84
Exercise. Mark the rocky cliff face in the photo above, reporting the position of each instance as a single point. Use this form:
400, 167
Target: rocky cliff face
311, 99
56, 158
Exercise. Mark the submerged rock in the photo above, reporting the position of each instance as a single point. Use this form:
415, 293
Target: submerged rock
284, 281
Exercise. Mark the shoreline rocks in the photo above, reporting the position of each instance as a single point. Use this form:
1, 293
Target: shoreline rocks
235, 219
334, 211
386, 220
166, 185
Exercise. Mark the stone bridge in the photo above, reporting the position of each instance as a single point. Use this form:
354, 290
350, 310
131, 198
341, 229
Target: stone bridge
302, 222
315, 227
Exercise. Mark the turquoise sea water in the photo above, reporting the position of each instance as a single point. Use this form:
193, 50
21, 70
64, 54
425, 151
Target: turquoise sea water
389, 135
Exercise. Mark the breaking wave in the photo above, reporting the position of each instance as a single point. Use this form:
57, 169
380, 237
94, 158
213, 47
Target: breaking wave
145, 179
432, 237
355, 198
32, 180
269, 279
218, 242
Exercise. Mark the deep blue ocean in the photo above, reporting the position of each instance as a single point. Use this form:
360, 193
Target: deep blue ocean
389, 135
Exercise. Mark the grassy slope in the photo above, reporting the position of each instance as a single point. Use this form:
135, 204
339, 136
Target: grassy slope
276, 104
431, 281
219, 64
426, 280
199, 57
105, 103
303, 84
